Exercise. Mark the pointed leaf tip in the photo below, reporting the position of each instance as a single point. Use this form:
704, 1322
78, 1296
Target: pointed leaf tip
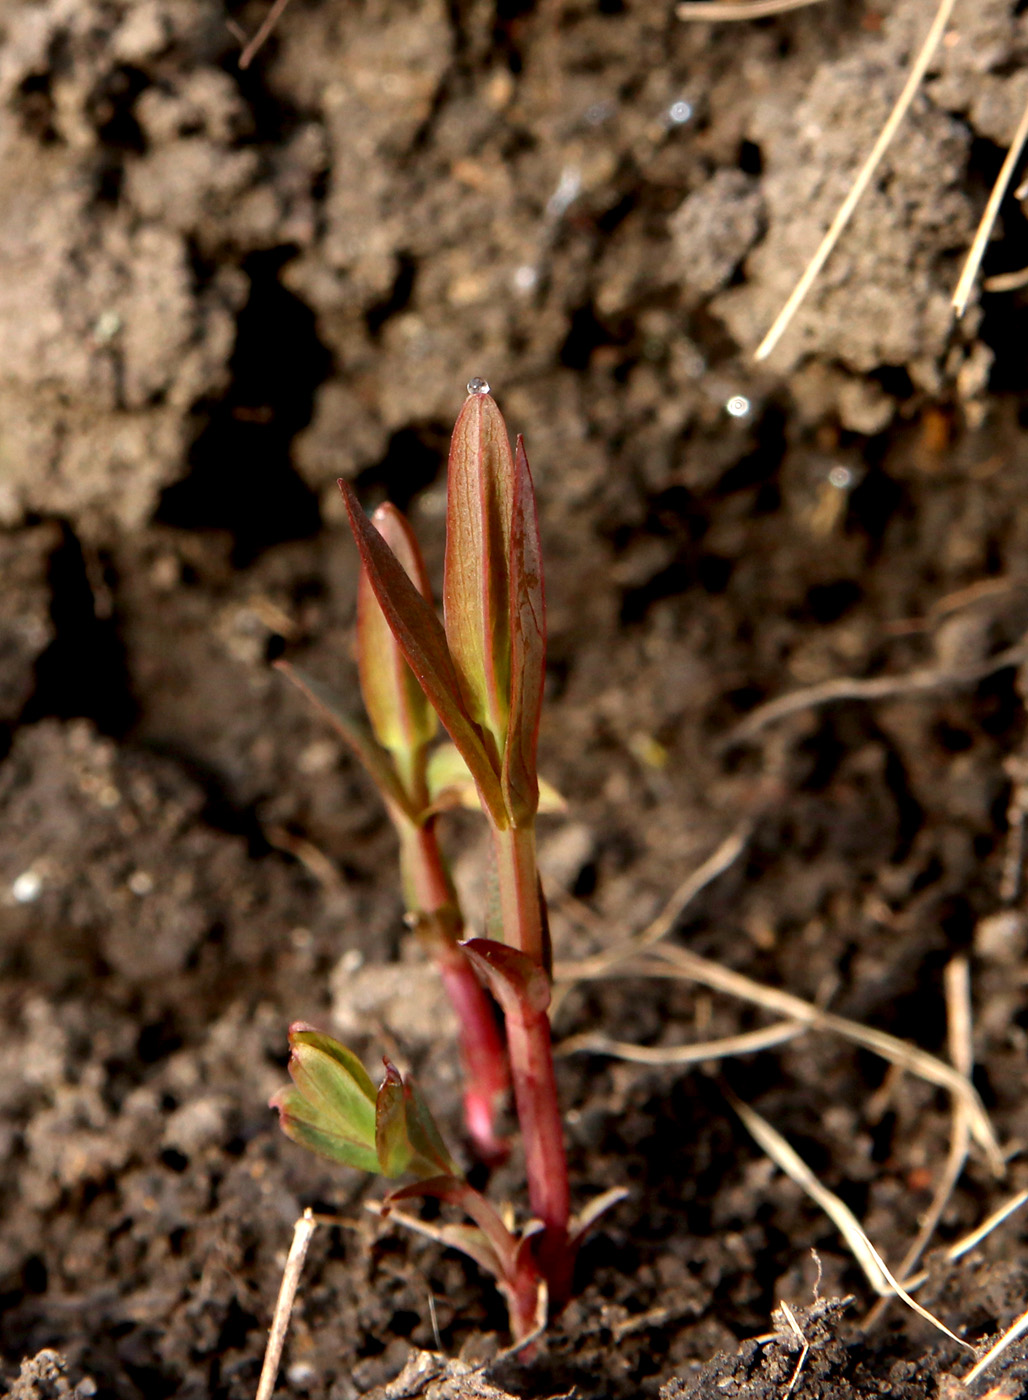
476, 610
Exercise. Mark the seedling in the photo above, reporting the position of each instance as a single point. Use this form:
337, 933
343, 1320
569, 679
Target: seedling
481, 671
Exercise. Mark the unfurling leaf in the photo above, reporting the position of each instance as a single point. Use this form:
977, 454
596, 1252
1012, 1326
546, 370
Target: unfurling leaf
330, 1106
423, 642
403, 720
476, 581
406, 1136
528, 650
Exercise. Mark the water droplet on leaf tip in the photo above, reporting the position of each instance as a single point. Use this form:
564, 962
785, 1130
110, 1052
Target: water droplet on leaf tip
478, 386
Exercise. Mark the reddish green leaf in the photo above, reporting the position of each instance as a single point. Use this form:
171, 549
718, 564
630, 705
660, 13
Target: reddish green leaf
406, 1136
423, 642
528, 650
391, 1141
517, 982
476, 601
403, 720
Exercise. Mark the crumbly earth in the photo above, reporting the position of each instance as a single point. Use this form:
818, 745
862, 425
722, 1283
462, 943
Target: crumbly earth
219, 291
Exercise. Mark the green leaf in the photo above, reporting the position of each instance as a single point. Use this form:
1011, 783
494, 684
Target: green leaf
302, 1122
331, 1106
403, 720
449, 779
476, 579
528, 650
423, 642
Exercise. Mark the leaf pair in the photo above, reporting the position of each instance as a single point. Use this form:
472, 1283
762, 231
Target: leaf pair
332, 1107
483, 669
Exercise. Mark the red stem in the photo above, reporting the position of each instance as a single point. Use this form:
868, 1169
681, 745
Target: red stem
430, 896
535, 1093
521, 905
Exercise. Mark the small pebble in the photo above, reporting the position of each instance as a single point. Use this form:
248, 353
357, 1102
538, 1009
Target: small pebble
27, 888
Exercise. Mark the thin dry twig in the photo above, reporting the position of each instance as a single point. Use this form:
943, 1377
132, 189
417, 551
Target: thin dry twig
962, 291
961, 1052
1016, 1329
990, 1223
745, 9
1006, 281
960, 1247
874, 1266
263, 34
860, 184
720, 860
674, 962
302, 1232
797, 1331
917, 682
748, 1043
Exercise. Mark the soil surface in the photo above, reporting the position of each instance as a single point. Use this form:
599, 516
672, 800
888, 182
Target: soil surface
219, 291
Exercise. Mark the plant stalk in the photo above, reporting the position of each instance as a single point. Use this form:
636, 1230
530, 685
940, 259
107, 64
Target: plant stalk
522, 911
535, 1094
433, 906
525, 926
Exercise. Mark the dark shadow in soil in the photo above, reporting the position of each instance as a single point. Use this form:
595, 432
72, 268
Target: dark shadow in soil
1004, 325
241, 477
414, 459
82, 673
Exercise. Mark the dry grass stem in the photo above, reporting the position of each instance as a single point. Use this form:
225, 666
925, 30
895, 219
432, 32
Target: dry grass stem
874, 1266
961, 1052
860, 184
726, 9
991, 1222
263, 34
963, 288
720, 860
1016, 1329
302, 1232
960, 1247
1007, 281
674, 962
748, 1043
797, 1331
921, 681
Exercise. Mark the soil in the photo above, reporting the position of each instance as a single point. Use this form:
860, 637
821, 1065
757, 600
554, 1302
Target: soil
220, 290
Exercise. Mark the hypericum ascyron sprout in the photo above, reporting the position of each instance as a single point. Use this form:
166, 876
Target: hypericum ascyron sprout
481, 670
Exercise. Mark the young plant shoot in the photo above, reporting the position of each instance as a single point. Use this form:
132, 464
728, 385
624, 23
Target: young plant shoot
414, 782
481, 671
